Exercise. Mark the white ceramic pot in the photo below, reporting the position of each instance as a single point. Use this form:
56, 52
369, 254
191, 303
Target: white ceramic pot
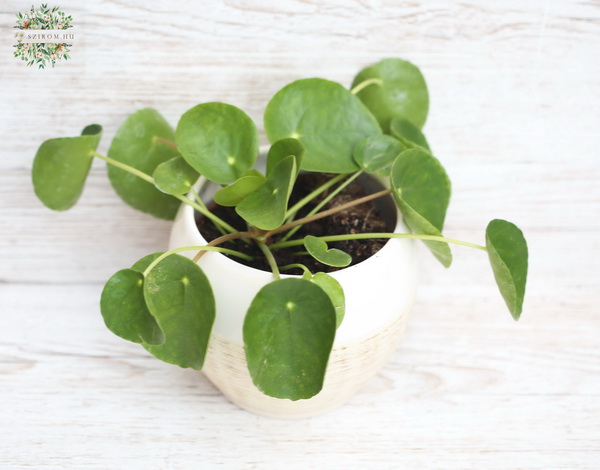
379, 295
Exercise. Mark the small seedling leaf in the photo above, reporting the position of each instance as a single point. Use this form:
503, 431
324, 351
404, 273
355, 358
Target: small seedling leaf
409, 134
335, 292
402, 92
331, 257
284, 148
218, 140
235, 193
421, 189
507, 251
288, 335
124, 309
376, 154
61, 166
175, 176
138, 143
325, 117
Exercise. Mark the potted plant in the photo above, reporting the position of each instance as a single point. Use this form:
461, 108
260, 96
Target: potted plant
300, 267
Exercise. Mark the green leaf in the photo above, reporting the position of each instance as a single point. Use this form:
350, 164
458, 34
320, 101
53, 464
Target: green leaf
335, 292
266, 207
376, 154
235, 193
507, 251
288, 335
175, 176
179, 296
325, 117
402, 93
408, 133
124, 309
317, 248
284, 148
218, 140
61, 166
137, 144
421, 189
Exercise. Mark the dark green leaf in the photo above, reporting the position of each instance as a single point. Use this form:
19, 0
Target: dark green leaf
284, 148
376, 154
422, 191
124, 309
288, 335
335, 292
218, 140
507, 250
408, 133
61, 166
235, 193
266, 207
180, 297
175, 176
325, 117
137, 144
402, 93
331, 257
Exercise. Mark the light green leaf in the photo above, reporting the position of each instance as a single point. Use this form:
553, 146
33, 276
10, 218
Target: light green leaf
335, 292
409, 134
175, 176
235, 193
288, 335
376, 154
317, 248
402, 92
179, 296
218, 140
266, 207
124, 309
61, 166
284, 148
507, 251
325, 117
137, 143
421, 189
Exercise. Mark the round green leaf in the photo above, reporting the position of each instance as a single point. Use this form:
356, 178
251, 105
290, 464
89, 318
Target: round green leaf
408, 133
218, 140
335, 292
325, 117
179, 296
174, 176
124, 309
284, 148
402, 92
421, 189
266, 207
507, 251
317, 248
61, 166
235, 193
137, 143
376, 154
288, 335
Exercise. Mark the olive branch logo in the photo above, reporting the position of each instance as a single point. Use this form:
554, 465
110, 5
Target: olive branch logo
38, 20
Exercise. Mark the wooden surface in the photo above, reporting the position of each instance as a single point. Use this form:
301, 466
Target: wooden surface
515, 113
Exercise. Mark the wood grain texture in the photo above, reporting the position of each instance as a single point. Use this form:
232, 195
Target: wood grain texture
515, 107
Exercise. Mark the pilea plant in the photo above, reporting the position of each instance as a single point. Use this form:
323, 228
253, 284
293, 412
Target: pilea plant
165, 301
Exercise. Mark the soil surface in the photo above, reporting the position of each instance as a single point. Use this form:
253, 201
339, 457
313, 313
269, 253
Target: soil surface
364, 218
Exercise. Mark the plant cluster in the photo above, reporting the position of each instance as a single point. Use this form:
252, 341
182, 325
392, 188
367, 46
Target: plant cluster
165, 301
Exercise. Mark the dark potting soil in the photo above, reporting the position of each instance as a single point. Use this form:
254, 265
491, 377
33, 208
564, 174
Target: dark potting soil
373, 216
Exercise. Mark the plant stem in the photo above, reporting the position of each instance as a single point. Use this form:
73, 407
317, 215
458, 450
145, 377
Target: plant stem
194, 248
319, 206
306, 199
365, 84
362, 236
297, 265
223, 239
140, 174
327, 213
270, 258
